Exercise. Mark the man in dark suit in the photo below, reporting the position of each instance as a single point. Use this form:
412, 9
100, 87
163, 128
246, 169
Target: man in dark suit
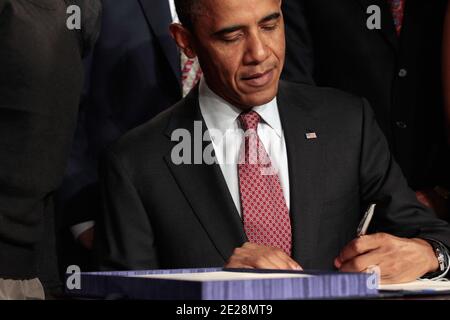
133, 74
291, 197
40, 83
388, 51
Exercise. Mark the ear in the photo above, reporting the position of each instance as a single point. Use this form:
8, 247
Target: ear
183, 38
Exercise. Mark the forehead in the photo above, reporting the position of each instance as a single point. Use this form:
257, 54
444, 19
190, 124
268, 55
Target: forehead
221, 13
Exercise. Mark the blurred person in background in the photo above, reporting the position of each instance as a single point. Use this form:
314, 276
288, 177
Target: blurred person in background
135, 72
446, 70
388, 51
40, 84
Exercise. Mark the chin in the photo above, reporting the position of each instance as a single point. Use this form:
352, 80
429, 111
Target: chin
260, 98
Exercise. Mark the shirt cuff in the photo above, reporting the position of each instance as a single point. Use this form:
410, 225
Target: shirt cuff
78, 229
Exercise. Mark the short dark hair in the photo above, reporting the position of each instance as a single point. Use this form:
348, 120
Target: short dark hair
186, 10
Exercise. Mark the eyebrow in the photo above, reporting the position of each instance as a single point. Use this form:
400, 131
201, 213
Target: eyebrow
231, 29
273, 16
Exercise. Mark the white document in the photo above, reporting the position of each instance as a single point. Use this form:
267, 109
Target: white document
224, 276
418, 285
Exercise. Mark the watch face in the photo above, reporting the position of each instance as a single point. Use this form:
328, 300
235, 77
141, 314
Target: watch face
441, 261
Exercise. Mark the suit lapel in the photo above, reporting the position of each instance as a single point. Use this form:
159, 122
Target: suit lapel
305, 159
206, 191
159, 18
205, 188
387, 21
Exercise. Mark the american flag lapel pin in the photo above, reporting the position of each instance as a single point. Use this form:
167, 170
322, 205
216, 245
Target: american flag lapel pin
311, 135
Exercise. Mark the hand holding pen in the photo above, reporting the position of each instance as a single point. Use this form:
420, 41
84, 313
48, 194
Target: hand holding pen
397, 259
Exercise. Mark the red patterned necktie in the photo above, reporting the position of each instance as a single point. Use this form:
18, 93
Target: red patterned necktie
398, 10
265, 213
190, 73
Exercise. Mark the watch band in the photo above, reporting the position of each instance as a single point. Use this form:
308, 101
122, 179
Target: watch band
443, 257
440, 257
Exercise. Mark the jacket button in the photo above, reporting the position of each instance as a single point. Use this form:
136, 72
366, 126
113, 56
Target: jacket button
402, 73
401, 125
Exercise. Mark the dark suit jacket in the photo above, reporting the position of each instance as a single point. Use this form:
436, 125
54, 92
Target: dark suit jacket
161, 215
40, 83
340, 51
132, 75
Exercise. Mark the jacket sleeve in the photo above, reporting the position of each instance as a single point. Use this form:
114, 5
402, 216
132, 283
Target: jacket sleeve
398, 211
124, 237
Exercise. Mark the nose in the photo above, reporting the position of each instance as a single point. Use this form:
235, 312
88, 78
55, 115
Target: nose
257, 51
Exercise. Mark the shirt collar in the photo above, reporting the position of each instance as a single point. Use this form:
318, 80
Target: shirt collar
222, 115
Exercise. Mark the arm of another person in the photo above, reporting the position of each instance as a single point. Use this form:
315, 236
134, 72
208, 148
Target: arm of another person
78, 192
78, 196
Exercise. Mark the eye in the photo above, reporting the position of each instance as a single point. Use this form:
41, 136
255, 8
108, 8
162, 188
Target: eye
270, 27
230, 38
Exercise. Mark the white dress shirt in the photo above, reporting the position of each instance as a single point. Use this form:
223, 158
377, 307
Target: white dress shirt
223, 117
173, 11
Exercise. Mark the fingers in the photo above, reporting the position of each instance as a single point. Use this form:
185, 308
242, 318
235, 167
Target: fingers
281, 260
251, 255
360, 246
396, 259
362, 262
234, 264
